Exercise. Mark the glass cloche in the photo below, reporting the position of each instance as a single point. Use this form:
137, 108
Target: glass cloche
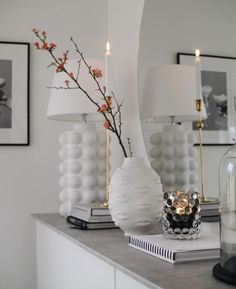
226, 269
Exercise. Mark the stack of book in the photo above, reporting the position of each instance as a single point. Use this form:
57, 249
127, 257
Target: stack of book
91, 216
210, 211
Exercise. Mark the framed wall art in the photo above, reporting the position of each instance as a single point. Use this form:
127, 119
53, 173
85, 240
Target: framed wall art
14, 93
218, 83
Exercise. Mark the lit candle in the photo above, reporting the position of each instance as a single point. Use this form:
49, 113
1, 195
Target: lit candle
182, 205
107, 57
198, 74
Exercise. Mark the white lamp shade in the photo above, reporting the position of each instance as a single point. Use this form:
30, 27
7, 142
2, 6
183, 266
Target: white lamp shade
71, 104
171, 90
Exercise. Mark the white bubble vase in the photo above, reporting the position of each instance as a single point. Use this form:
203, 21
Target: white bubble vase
135, 200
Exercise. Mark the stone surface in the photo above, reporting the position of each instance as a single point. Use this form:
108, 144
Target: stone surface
112, 247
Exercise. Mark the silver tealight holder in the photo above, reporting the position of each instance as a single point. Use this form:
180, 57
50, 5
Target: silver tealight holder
181, 219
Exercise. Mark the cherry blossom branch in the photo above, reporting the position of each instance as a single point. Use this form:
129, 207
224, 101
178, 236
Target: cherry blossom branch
108, 111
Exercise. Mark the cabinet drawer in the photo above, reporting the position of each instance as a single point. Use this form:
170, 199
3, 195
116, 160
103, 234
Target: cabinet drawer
123, 281
63, 264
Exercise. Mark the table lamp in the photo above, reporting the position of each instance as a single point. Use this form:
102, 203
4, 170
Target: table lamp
169, 97
83, 169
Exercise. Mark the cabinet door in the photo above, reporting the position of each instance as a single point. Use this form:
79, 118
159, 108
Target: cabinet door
123, 281
62, 264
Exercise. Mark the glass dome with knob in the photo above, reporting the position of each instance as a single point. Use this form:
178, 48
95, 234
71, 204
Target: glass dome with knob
226, 269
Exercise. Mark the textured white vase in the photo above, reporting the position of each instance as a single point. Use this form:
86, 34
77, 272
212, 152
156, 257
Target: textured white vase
135, 198
174, 158
83, 166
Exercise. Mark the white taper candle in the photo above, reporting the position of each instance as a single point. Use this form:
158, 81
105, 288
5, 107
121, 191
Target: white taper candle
107, 64
198, 74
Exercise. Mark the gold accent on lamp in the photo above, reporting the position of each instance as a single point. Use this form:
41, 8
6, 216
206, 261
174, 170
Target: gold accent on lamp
107, 59
199, 104
200, 127
106, 203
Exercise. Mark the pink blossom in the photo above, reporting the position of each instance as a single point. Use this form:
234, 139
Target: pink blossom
103, 107
52, 45
71, 74
106, 124
97, 72
36, 45
45, 46
60, 67
67, 82
109, 100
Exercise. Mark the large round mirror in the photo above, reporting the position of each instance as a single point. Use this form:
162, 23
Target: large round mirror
169, 27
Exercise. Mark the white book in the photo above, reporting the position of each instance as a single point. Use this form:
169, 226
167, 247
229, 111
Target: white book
89, 218
178, 251
92, 209
211, 205
91, 213
205, 213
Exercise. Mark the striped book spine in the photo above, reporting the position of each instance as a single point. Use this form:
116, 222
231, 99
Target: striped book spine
152, 249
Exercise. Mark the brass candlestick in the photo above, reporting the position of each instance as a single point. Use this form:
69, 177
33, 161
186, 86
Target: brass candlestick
200, 126
106, 203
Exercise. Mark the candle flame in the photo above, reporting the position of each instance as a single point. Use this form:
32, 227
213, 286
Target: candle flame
197, 52
108, 47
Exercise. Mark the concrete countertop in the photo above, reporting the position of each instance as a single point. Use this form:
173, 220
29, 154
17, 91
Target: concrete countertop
112, 247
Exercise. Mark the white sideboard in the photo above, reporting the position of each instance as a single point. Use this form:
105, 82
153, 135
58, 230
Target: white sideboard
62, 264
101, 259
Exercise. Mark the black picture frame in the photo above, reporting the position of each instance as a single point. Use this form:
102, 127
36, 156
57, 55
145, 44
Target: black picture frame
218, 79
14, 93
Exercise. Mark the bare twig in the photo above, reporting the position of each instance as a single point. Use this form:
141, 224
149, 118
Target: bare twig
62, 87
129, 145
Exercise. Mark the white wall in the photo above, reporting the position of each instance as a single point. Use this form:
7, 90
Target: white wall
29, 175
171, 26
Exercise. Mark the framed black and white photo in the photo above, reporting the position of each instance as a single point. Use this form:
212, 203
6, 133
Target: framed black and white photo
14, 93
218, 85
